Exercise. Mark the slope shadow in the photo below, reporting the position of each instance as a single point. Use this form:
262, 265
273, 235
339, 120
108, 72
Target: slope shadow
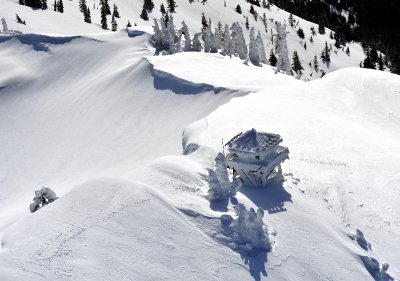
167, 81
374, 269
134, 33
39, 41
271, 198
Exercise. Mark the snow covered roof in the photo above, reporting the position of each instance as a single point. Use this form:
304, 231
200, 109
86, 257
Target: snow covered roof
253, 141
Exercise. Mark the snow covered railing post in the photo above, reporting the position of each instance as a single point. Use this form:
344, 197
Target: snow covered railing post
256, 156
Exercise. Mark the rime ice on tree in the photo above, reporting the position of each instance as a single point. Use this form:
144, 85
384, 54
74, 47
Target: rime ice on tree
256, 156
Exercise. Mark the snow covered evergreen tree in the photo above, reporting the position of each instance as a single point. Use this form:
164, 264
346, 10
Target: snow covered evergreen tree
261, 48
197, 43
5, 27
113, 24
103, 14
253, 48
227, 44
171, 5
148, 5
188, 42
218, 38
281, 48
326, 55
144, 15
296, 64
238, 41
171, 36
115, 12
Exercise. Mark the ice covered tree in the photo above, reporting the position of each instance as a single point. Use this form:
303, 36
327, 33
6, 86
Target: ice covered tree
218, 38
4, 24
204, 22
281, 48
157, 37
246, 234
171, 36
253, 48
207, 39
220, 186
42, 197
296, 64
213, 42
227, 44
261, 48
188, 42
197, 43
238, 41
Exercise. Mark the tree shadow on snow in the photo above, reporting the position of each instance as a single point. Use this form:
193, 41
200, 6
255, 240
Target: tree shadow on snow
270, 198
256, 264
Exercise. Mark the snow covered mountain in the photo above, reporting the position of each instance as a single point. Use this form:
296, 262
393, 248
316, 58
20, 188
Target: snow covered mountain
97, 117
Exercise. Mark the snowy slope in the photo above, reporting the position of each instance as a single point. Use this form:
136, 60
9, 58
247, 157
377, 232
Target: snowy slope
71, 23
98, 118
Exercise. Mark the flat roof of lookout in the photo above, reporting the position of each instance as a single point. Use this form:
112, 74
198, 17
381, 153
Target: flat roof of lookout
253, 142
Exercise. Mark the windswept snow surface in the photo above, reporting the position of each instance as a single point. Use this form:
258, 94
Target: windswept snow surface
99, 120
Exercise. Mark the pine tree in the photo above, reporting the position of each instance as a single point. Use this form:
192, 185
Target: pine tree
380, 62
114, 25
238, 42
311, 39
115, 11
252, 11
300, 33
171, 5
44, 4
348, 51
203, 2
291, 20
272, 58
367, 61
103, 14
326, 55
238, 9
55, 6
129, 24
144, 15
82, 6
87, 17
148, 5
61, 6
296, 64
21, 2
247, 24
313, 33
331, 35
321, 29
162, 9
107, 7
315, 63
204, 21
